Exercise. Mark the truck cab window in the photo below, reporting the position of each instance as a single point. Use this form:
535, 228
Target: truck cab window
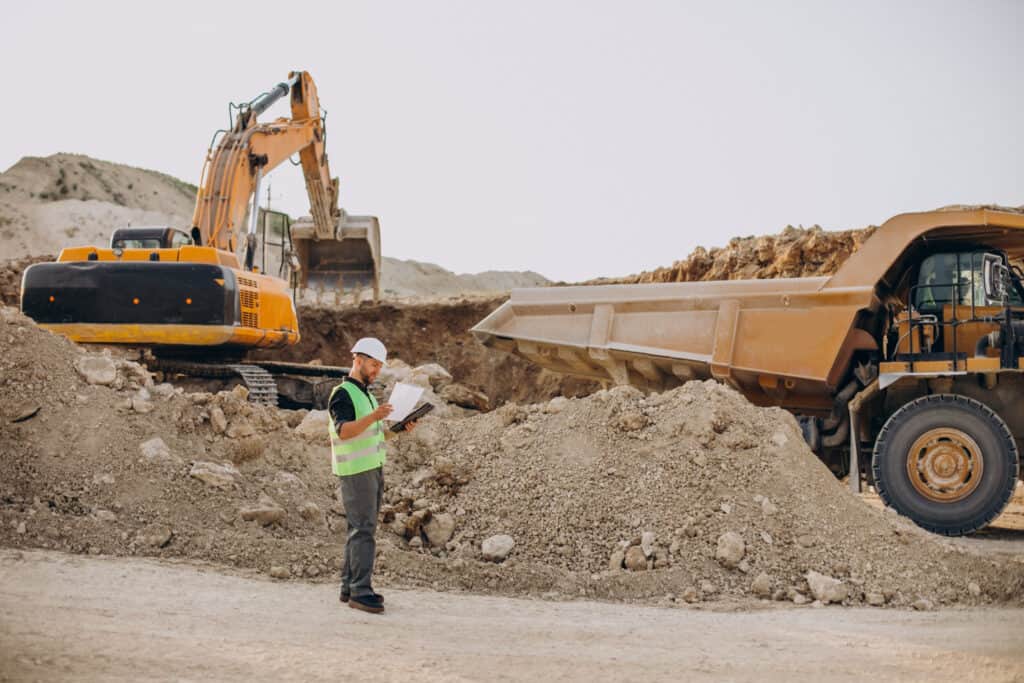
946, 279
935, 283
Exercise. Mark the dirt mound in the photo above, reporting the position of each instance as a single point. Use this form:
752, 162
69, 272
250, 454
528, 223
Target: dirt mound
10, 278
795, 252
48, 203
126, 466
705, 496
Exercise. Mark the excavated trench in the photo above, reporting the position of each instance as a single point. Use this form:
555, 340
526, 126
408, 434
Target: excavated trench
436, 332
417, 333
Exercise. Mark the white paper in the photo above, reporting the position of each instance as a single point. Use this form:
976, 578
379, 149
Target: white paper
403, 400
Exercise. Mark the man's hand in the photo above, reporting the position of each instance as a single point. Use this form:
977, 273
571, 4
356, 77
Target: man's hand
409, 426
382, 412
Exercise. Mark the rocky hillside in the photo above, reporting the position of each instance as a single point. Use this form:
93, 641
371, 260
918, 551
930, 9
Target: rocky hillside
49, 202
414, 278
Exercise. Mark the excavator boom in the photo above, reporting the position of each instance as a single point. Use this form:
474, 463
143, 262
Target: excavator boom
333, 252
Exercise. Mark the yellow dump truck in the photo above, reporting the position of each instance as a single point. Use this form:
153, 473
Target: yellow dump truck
905, 368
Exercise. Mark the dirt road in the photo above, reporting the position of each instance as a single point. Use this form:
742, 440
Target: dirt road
65, 617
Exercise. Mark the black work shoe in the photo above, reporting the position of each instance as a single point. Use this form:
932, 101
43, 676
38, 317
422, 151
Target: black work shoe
346, 596
366, 603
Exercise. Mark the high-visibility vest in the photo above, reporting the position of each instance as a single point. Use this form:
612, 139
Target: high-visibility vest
364, 451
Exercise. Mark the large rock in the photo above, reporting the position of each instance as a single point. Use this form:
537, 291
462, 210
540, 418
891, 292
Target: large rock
266, 512
731, 549
826, 588
154, 537
647, 543
156, 451
435, 374
762, 585
497, 548
439, 529
141, 405
241, 428
313, 427
212, 474
632, 421
464, 397
133, 373
309, 510
635, 559
97, 369
217, 420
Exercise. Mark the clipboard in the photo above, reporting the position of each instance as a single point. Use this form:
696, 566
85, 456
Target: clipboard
412, 417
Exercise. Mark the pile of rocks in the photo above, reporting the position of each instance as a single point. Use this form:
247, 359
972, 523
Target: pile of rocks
795, 252
692, 495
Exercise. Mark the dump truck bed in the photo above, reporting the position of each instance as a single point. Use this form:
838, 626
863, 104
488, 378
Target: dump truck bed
660, 335
786, 342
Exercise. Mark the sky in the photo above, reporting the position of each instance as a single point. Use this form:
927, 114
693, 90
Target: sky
575, 139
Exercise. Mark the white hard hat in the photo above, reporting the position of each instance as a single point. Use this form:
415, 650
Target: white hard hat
372, 347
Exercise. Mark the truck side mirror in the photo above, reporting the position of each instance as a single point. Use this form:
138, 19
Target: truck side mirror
997, 279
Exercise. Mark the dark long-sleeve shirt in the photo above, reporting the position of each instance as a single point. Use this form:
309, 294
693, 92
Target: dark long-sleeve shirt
341, 408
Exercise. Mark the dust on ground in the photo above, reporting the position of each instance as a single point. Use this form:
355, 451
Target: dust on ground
692, 495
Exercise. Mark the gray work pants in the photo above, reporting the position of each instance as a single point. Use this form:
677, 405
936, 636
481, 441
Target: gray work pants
361, 494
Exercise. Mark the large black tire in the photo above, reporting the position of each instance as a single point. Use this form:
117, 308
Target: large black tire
927, 457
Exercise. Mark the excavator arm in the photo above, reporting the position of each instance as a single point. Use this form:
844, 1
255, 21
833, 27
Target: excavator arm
235, 167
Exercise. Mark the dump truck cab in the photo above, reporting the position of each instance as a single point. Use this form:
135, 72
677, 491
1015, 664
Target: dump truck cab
904, 368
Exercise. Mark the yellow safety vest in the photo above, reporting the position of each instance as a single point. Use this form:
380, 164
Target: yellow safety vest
364, 451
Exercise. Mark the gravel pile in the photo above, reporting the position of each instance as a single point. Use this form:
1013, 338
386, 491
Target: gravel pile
692, 495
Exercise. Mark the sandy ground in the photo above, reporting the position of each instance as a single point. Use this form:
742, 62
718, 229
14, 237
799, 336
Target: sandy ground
65, 617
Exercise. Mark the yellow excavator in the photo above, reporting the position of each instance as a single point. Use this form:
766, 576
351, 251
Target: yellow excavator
198, 295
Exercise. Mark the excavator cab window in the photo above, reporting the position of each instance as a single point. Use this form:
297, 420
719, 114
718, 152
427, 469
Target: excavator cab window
150, 243
179, 239
149, 238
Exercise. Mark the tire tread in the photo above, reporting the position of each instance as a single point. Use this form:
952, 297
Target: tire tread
1010, 450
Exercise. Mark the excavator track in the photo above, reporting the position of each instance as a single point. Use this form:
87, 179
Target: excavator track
261, 384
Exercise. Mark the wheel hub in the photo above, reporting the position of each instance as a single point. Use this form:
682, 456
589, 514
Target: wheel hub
945, 465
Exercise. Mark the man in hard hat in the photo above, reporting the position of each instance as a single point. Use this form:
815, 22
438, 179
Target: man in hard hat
357, 457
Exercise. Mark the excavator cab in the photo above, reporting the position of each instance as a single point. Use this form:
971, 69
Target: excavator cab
149, 237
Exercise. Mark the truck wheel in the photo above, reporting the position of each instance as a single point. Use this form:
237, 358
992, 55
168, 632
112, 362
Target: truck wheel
947, 462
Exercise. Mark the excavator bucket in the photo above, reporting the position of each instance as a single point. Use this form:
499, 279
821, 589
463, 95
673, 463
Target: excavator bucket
349, 263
